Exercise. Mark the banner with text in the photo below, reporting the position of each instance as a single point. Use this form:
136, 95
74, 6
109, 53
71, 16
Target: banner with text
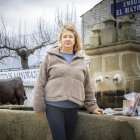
28, 76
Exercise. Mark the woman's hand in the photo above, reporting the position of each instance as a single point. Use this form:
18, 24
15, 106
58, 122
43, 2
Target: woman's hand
98, 111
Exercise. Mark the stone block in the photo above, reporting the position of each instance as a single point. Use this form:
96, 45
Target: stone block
23, 125
103, 127
129, 85
109, 35
95, 40
129, 64
126, 34
112, 63
137, 85
95, 65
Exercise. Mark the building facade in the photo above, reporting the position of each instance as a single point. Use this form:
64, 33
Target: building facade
113, 44
97, 14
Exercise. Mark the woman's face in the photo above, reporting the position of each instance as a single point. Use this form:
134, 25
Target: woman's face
67, 39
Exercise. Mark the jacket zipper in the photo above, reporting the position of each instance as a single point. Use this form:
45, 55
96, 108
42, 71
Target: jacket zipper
68, 77
68, 80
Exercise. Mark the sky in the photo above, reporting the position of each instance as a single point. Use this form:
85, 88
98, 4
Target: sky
28, 12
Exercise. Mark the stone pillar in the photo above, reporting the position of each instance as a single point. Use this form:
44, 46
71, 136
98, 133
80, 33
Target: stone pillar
109, 34
95, 39
127, 32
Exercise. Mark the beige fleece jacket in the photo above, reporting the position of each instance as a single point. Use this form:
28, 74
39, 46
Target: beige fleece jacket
57, 81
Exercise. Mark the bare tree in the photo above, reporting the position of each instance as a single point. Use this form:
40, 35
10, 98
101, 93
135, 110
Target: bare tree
24, 45
4, 53
64, 16
24, 52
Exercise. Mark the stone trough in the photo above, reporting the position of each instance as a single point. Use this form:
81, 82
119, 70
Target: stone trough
20, 123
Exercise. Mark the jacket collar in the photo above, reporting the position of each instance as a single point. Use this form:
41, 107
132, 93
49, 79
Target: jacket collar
55, 51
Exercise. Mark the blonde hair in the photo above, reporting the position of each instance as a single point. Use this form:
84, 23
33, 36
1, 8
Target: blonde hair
70, 27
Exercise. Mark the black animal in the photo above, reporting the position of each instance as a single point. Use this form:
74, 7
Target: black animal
12, 91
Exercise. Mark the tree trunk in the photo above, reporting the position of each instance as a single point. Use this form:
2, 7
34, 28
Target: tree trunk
24, 62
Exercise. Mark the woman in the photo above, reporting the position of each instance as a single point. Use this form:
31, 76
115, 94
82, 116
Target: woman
63, 84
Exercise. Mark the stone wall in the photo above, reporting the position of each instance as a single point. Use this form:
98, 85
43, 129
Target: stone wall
25, 125
118, 58
115, 71
95, 127
92, 17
